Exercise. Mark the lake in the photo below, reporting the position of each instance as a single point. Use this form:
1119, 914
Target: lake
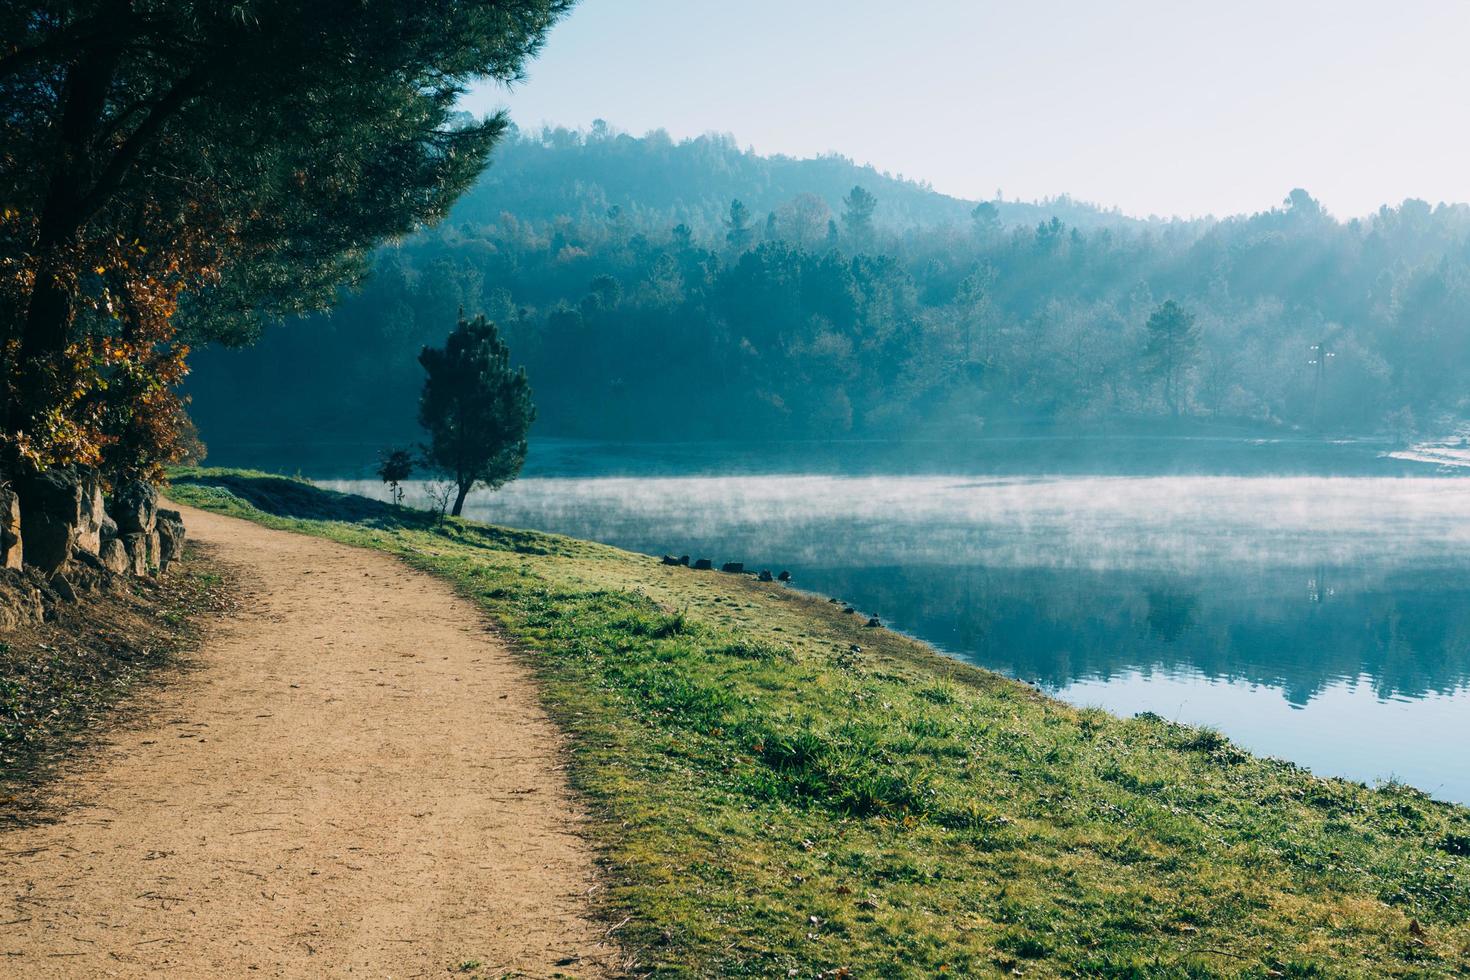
1325, 620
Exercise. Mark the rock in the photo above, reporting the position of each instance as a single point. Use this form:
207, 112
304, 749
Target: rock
835, 602
704, 564
848, 610
785, 576
154, 552
114, 556
135, 507
670, 560
684, 560
106, 531
11, 553
51, 514
873, 621
88, 564
136, 547
86, 573
62, 587
765, 575
90, 512
735, 567
171, 537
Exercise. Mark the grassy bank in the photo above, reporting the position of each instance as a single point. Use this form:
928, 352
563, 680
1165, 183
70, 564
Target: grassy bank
779, 790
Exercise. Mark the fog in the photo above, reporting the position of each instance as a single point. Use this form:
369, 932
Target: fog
1321, 619
1099, 523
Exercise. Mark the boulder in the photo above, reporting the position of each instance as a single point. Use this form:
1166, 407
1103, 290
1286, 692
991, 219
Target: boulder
51, 515
704, 564
90, 512
670, 560
684, 560
765, 575
61, 585
171, 535
136, 547
873, 621
86, 573
114, 556
106, 531
154, 551
785, 576
737, 567
135, 507
11, 554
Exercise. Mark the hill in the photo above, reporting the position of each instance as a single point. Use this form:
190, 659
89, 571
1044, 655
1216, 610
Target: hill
694, 291
658, 182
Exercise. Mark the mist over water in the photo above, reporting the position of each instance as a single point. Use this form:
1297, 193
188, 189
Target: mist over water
1324, 620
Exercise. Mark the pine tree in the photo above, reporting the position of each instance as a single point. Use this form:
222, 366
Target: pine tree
476, 408
1171, 350
857, 216
739, 234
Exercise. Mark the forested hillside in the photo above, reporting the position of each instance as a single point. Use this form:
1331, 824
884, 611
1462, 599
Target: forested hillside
693, 290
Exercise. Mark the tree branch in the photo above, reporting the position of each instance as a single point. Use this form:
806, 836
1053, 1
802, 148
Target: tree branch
164, 109
115, 29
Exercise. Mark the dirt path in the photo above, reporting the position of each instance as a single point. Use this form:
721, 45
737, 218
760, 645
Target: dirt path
358, 779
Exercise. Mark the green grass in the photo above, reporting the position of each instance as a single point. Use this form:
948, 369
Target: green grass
776, 788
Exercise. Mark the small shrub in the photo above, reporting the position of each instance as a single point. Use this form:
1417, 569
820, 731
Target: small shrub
394, 467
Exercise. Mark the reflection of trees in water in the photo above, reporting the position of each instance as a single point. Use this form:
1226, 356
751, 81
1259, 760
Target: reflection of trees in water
1408, 632
1170, 613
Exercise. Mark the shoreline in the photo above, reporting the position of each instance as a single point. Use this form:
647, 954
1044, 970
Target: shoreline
774, 786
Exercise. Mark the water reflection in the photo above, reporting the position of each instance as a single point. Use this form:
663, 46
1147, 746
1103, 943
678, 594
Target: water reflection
1326, 620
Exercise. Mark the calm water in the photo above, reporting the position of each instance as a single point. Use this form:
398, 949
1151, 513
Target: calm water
1323, 620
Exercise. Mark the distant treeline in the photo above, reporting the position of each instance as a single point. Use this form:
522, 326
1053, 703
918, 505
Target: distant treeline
659, 290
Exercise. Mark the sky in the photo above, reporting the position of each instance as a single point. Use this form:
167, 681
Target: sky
1170, 108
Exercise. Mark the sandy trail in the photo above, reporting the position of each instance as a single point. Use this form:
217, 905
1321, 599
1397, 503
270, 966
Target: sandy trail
357, 779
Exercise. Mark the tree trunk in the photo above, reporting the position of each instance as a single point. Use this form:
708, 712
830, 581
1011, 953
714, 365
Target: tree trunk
464, 491
47, 320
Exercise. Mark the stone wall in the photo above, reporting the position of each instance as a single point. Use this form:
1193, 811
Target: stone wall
59, 535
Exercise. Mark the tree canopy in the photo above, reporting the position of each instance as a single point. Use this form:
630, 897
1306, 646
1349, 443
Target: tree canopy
177, 171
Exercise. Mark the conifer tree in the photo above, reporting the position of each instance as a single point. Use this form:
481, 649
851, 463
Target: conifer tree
738, 234
857, 216
476, 408
1171, 350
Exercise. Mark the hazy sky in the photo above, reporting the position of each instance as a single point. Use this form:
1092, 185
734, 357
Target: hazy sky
1178, 107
